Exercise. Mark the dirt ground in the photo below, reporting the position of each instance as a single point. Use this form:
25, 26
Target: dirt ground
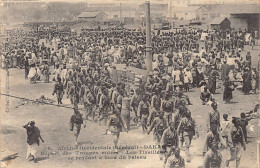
53, 122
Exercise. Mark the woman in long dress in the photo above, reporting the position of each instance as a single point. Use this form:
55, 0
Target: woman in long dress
228, 88
247, 86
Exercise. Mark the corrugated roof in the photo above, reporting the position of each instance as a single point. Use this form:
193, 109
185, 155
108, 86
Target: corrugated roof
236, 9
89, 14
185, 9
217, 20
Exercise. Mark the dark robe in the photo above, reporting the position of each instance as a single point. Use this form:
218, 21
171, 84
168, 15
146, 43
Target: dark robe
227, 96
224, 71
246, 82
212, 83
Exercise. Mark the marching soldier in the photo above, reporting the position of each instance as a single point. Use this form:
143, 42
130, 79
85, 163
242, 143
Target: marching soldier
58, 89
213, 158
89, 103
75, 123
169, 139
104, 105
155, 106
167, 107
213, 117
187, 129
236, 142
134, 102
159, 124
143, 111
115, 125
175, 160
212, 136
179, 115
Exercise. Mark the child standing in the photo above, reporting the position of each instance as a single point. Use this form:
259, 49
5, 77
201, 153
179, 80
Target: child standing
225, 126
243, 124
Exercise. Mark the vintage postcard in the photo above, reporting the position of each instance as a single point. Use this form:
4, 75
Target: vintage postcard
129, 84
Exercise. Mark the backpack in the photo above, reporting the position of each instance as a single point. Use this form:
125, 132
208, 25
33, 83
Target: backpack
167, 106
59, 86
78, 119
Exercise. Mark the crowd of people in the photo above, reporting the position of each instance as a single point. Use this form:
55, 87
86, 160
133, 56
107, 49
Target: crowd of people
83, 70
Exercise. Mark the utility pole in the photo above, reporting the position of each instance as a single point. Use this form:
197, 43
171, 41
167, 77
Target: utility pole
120, 12
148, 38
53, 12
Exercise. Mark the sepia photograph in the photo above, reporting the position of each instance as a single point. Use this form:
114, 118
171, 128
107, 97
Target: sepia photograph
129, 84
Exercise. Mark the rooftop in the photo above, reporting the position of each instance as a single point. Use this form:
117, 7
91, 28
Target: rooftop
217, 20
90, 14
236, 9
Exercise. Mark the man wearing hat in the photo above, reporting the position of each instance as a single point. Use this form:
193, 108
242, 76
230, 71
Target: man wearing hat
33, 136
159, 124
186, 130
115, 125
75, 123
175, 159
169, 139
213, 119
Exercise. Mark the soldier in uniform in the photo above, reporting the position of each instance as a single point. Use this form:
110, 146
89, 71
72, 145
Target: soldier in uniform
75, 122
155, 106
186, 130
175, 160
169, 139
89, 103
104, 105
236, 141
213, 117
143, 111
212, 136
167, 107
159, 125
115, 125
213, 158
179, 114
134, 102
58, 89
73, 94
